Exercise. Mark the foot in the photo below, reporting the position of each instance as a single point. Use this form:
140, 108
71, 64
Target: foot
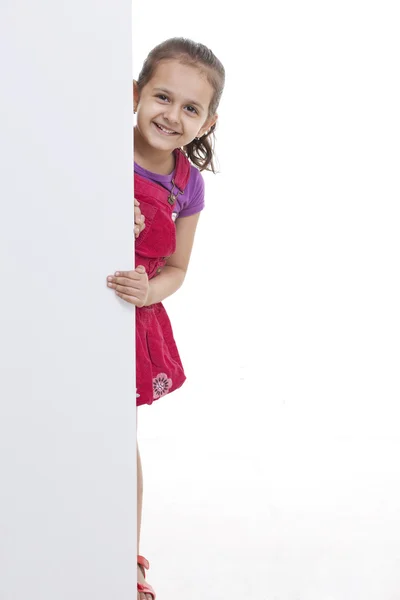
141, 579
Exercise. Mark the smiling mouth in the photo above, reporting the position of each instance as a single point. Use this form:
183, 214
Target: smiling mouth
165, 130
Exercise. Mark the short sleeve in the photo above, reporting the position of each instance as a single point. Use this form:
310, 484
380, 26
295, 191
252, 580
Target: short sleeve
195, 201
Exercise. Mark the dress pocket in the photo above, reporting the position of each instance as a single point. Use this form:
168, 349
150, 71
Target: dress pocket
158, 351
161, 344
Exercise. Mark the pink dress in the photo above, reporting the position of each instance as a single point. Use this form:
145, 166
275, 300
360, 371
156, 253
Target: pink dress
159, 369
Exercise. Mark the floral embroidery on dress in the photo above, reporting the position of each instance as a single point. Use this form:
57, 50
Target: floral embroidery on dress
161, 385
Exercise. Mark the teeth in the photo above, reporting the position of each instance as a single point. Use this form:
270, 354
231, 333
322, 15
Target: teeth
166, 130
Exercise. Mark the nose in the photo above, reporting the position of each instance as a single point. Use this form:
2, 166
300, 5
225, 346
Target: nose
171, 113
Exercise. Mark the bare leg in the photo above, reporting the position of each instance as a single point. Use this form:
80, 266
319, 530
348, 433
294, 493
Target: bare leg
140, 574
139, 495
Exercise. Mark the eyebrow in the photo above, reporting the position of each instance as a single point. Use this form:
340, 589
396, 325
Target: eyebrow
169, 93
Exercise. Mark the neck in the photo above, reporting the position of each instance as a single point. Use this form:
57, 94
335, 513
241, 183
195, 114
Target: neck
156, 161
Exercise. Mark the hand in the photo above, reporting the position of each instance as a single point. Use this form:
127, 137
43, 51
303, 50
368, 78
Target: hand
132, 286
139, 219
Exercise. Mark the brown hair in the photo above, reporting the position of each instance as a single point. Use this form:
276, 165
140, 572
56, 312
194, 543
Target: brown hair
201, 150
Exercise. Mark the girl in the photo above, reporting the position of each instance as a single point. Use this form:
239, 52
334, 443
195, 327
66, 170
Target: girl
176, 98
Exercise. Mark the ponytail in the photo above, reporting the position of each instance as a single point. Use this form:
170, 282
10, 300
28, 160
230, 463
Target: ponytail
201, 151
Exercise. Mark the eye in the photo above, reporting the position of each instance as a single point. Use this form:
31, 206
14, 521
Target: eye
162, 97
192, 110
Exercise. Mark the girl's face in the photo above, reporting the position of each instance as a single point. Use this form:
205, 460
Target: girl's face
173, 106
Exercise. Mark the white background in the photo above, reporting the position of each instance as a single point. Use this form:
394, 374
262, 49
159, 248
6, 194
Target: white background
67, 394
274, 472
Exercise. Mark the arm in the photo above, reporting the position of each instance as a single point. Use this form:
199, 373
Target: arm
173, 274
135, 287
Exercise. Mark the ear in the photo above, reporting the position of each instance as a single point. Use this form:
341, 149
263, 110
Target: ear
209, 123
135, 95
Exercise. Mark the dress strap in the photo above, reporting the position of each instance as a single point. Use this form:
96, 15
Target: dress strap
182, 171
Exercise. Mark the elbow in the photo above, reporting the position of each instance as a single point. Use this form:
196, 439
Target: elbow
178, 273
182, 274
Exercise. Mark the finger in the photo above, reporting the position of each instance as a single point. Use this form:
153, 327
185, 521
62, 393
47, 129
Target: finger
130, 299
139, 218
134, 282
126, 297
140, 269
133, 278
123, 273
136, 211
127, 291
126, 277
125, 282
138, 226
136, 202
124, 289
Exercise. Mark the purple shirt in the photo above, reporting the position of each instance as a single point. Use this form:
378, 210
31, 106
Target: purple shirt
188, 203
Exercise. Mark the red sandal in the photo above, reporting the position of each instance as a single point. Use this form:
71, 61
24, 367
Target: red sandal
145, 588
